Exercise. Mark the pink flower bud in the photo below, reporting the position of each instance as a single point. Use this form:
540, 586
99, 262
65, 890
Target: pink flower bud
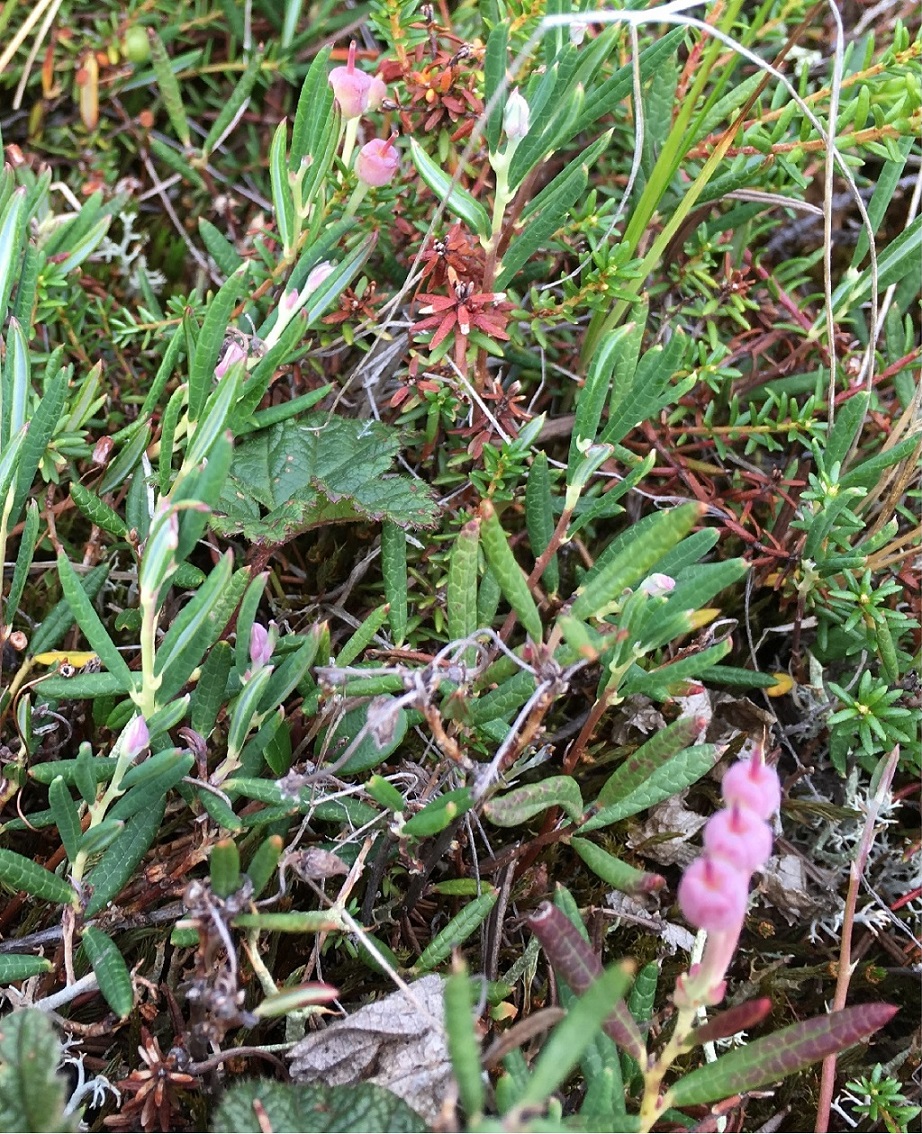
516, 117
136, 737
234, 353
713, 894
657, 585
752, 783
355, 91
740, 836
260, 645
316, 276
377, 161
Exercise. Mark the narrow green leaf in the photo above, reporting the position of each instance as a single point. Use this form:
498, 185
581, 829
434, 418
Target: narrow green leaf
224, 868
847, 429
219, 248
635, 555
246, 616
66, 817
649, 758
314, 113
110, 969
122, 857
361, 638
42, 425
614, 871
463, 1045
651, 388
24, 556
208, 348
12, 232
461, 926
90, 623
396, 580
461, 588
678, 773
234, 105
458, 200
510, 576
169, 88
563, 1048
97, 511
439, 813
21, 966
776, 1056
264, 862
521, 804
494, 76
283, 203
595, 393
209, 694
21, 873
539, 517
31, 1090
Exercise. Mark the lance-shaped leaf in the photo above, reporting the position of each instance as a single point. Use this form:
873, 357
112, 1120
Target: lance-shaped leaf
573, 959
121, 857
631, 558
110, 969
512, 580
740, 1018
649, 757
21, 873
457, 931
680, 772
523, 803
781, 1054
461, 589
624, 877
21, 966
31, 1091
457, 200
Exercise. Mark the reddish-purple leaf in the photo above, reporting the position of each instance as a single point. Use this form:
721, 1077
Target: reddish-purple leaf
780, 1054
739, 1018
574, 960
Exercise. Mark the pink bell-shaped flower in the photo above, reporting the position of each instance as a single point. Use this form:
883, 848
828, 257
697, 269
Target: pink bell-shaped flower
753, 784
377, 161
738, 835
356, 92
713, 894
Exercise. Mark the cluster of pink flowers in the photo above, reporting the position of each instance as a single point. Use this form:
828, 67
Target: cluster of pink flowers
356, 93
714, 890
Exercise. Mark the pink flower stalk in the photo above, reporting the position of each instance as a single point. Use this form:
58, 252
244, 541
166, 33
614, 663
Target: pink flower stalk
355, 91
714, 890
377, 161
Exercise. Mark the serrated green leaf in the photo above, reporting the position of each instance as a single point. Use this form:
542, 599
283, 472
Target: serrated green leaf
521, 804
110, 969
315, 471
21, 873
298, 1106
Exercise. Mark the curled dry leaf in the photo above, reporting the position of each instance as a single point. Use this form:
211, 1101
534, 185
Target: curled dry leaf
397, 1042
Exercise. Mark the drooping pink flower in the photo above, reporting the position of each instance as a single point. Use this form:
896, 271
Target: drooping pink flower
713, 894
740, 836
377, 161
753, 784
355, 91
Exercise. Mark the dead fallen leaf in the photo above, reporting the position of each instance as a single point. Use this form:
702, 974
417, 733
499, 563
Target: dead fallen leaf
397, 1042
